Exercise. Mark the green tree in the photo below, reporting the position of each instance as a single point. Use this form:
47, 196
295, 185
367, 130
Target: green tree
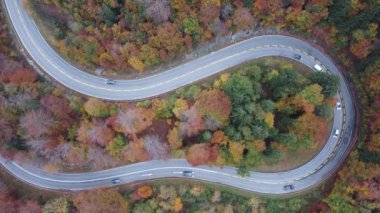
109, 15
287, 83
339, 205
191, 26
329, 83
205, 136
115, 147
58, 205
252, 156
324, 111
241, 90
272, 155
267, 105
243, 171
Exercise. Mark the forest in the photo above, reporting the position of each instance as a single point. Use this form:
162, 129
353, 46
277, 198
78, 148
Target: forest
126, 35
40, 120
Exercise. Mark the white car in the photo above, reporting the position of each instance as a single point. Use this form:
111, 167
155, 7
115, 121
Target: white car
318, 67
336, 133
338, 106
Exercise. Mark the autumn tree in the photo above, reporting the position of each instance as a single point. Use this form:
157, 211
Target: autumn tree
177, 204
312, 94
95, 132
236, 149
311, 125
198, 154
219, 138
100, 200
243, 19
135, 151
36, 123
59, 107
271, 11
158, 10
209, 12
7, 132
145, 191
57, 205
96, 108
168, 40
23, 76
191, 122
180, 106
155, 148
215, 107
131, 120
174, 138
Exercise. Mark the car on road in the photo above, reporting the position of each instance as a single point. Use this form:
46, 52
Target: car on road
297, 56
109, 82
188, 173
288, 187
338, 106
116, 180
318, 67
336, 133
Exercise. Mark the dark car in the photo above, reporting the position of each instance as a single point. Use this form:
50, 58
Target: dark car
188, 173
116, 180
288, 187
296, 56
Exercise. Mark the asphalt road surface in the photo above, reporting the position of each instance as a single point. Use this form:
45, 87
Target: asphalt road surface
304, 177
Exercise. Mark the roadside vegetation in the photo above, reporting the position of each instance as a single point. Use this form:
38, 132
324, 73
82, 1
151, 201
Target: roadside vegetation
160, 196
40, 120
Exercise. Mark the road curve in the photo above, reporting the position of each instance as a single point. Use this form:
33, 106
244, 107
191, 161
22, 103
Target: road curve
306, 176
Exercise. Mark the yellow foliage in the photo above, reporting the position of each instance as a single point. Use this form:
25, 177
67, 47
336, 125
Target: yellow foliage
174, 138
196, 190
221, 81
158, 104
269, 119
219, 138
236, 149
219, 161
177, 204
136, 63
259, 145
180, 105
49, 167
211, 2
374, 144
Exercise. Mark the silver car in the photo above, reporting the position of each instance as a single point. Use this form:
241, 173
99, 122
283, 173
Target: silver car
109, 82
338, 106
336, 133
188, 173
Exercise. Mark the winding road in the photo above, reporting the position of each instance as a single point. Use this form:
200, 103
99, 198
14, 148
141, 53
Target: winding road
304, 177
